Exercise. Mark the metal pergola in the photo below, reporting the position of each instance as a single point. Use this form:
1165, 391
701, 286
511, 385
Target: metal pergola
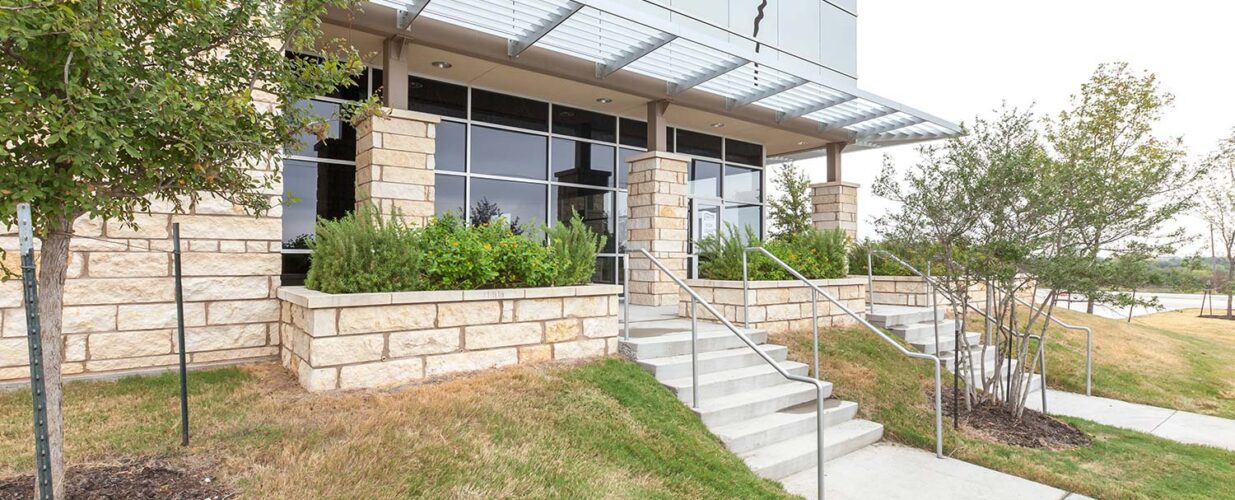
686, 53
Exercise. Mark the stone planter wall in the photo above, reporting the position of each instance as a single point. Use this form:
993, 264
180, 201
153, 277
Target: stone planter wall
778, 306
367, 340
911, 291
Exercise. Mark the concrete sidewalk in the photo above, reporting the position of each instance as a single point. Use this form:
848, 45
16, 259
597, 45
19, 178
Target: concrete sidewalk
889, 472
1190, 428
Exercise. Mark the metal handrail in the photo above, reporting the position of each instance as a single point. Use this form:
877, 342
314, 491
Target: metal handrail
936, 288
1088, 342
694, 335
819, 291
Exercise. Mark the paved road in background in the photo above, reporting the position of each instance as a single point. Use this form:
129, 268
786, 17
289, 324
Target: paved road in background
1170, 302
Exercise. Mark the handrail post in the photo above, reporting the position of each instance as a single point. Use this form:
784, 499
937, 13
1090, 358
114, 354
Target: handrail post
930, 289
1088, 361
694, 356
1042, 356
938, 410
626, 296
819, 439
745, 293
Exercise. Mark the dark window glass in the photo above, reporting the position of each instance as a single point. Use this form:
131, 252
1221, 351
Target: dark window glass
520, 203
376, 75
295, 267
671, 139
506, 153
743, 152
448, 193
624, 155
705, 178
509, 110
694, 143
336, 190
594, 206
634, 133
583, 123
299, 203
582, 163
339, 142
744, 216
451, 146
743, 184
438, 98
356, 90
606, 270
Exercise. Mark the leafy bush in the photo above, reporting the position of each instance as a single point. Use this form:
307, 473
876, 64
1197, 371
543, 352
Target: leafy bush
366, 253
814, 253
884, 266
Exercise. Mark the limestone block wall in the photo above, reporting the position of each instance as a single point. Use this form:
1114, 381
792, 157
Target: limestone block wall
369, 340
119, 297
912, 291
658, 204
394, 164
778, 306
835, 205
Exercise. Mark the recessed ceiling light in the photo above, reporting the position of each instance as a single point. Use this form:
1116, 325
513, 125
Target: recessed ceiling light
717, 125
566, 114
441, 65
801, 143
604, 100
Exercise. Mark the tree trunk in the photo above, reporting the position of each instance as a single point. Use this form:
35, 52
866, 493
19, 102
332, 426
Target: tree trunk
1089, 305
1132, 306
1230, 280
53, 263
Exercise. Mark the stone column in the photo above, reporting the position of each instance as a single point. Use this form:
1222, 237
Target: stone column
657, 223
394, 164
835, 206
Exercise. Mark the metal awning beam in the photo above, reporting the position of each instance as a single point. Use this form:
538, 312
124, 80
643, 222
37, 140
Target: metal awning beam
607, 68
403, 21
900, 136
899, 124
861, 118
789, 115
516, 47
763, 94
675, 88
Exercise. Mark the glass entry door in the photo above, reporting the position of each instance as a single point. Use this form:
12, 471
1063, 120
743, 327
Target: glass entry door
704, 221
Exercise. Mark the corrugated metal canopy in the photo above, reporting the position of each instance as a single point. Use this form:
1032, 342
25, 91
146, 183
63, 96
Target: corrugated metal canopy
686, 53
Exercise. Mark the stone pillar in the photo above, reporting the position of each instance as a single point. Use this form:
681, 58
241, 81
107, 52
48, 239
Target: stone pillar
394, 164
657, 223
835, 205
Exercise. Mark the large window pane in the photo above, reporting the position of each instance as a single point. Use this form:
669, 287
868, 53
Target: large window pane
744, 216
506, 153
295, 267
448, 194
594, 206
705, 178
623, 214
451, 146
634, 133
582, 163
583, 123
339, 142
521, 203
743, 184
696, 144
438, 98
606, 270
623, 164
743, 152
509, 110
312, 190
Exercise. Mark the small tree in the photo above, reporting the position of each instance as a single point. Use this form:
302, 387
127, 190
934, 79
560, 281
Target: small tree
791, 211
113, 105
1217, 206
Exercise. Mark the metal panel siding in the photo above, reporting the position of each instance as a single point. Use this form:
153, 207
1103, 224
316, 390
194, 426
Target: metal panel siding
838, 40
799, 28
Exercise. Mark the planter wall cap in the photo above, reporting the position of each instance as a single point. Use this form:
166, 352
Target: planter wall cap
409, 115
314, 299
426, 296
775, 284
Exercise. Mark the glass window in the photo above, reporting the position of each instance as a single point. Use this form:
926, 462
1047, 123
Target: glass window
743, 152
606, 270
583, 123
451, 138
705, 178
634, 133
743, 216
507, 153
339, 142
696, 144
448, 194
623, 213
438, 98
743, 184
510, 111
579, 162
594, 206
312, 190
521, 203
671, 138
295, 267
624, 155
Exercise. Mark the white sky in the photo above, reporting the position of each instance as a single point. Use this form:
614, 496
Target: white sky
960, 58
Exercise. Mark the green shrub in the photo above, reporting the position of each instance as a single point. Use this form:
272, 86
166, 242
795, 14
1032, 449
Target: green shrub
814, 253
884, 266
362, 252
573, 249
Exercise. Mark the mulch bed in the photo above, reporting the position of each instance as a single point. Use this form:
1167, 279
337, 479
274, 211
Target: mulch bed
147, 477
1033, 430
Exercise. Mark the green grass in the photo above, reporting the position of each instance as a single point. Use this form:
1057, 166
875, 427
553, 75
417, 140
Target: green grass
602, 429
893, 390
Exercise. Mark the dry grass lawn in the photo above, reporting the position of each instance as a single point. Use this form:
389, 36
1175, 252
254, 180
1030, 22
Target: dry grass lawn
600, 430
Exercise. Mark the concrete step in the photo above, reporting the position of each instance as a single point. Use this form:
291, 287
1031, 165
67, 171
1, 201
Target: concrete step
889, 316
728, 382
757, 403
946, 343
924, 330
758, 432
782, 459
949, 358
678, 343
679, 366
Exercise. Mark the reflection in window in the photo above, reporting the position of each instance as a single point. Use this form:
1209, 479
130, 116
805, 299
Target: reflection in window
743, 184
694, 143
448, 194
451, 149
506, 153
705, 178
509, 110
520, 203
579, 162
594, 206
634, 133
311, 190
624, 155
623, 214
606, 270
743, 152
744, 216
583, 123
338, 141
438, 98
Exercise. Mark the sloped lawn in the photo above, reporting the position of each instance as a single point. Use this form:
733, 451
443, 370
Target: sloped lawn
602, 429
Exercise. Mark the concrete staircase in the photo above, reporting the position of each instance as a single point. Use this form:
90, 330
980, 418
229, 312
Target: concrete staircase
759, 415
916, 326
